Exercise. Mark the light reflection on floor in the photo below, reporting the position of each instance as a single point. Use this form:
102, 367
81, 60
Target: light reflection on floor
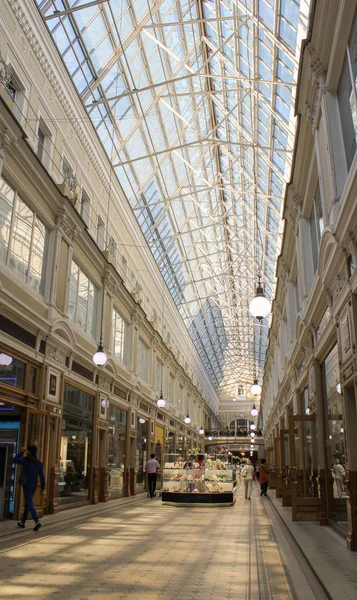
151, 552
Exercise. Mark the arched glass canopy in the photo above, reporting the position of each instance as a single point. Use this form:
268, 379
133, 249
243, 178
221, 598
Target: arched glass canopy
193, 101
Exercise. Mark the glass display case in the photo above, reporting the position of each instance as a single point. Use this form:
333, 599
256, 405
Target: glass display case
198, 485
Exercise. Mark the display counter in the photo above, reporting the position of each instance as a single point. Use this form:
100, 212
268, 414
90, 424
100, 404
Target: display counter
199, 486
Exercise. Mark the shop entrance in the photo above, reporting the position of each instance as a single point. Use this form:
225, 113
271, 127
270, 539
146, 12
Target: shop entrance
304, 474
9, 441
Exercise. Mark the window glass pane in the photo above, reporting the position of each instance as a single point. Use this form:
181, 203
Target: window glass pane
13, 373
21, 239
142, 360
38, 257
116, 450
82, 307
76, 445
118, 335
73, 284
82, 300
7, 196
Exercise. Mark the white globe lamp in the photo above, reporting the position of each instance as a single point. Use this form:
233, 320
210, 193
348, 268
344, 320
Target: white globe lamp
260, 306
5, 359
256, 388
201, 431
100, 357
187, 419
254, 411
161, 402
252, 426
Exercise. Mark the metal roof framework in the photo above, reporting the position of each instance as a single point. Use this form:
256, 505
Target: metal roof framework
192, 101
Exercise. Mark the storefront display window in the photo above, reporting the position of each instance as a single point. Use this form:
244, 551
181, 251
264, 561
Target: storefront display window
334, 419
76, 442
12, 372
141, 453
116, 450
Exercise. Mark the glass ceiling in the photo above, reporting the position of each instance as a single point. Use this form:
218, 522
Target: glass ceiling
193, 102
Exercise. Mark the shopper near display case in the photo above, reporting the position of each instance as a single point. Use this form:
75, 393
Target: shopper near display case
32, 469
339, 474
263, 477
152, 468
247, 475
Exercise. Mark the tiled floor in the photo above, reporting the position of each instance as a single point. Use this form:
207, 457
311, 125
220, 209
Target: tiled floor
153, 552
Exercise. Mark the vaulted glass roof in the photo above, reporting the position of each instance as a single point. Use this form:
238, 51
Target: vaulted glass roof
193, 101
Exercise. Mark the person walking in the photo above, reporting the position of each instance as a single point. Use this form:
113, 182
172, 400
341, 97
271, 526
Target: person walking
152, 467
32, 469
263, 477
247, 475
339, 474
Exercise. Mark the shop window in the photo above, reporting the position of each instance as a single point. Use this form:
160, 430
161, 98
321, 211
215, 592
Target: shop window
85, 207
143, 361
23, 239
76, 443
316, 228
44, 144
119, 328
12, 371
335, 437
116, 450
347, 97
141, 453
82, 300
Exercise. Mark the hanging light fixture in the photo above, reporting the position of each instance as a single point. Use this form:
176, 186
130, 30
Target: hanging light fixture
234, 399
187, 419
254, 411
259, 306
256, 389
161, 402
252, 426
100, 357
141, 420
210, 437
201, 431
5, 359
252, 434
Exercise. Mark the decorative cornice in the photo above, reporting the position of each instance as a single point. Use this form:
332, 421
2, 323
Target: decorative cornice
17, 8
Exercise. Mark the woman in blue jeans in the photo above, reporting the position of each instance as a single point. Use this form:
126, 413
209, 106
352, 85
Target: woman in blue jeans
32, 469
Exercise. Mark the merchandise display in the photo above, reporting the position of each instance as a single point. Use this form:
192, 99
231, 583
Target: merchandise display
198, 485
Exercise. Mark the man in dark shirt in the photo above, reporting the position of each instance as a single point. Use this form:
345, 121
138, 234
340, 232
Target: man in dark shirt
32, 469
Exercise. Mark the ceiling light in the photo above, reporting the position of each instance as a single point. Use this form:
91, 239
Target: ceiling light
260, 306
161, 402
141, 420
209, 437
252, 426
252, 434
254, 411
187, 419
256, 388
234, 399
201, 431
338, 388
5, 359
100, 357
307, 411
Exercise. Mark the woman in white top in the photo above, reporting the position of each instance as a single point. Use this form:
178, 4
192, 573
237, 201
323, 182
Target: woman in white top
247, 475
